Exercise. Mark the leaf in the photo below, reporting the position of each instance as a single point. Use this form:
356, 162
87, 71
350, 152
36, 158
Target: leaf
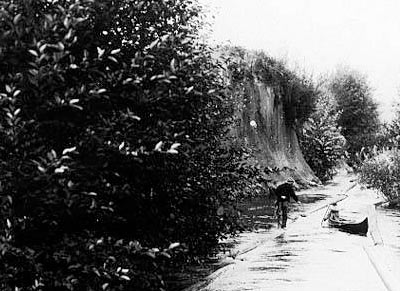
173, 65
188, 90
165, 254
153, 44
121, 146
73, 101
16, 93
150, 254
116, 51
113, 59
127, 81
80, 19
174, 245
95, 269
34, 53
77, 107
68, 150
17, 18
68, 35
67, 22
158, 146
159, 76
125, 277
61, 46
33, 72
61, 170
53, 153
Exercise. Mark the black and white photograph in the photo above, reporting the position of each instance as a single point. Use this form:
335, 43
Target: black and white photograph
199, 145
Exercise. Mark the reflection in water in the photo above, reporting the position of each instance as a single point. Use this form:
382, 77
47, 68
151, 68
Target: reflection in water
307, 256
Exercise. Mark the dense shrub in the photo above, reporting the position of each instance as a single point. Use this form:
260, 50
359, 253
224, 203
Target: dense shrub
321, 140
382, 172
381, 167
112, 145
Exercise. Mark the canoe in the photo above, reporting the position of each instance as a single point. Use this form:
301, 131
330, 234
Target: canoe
350, 226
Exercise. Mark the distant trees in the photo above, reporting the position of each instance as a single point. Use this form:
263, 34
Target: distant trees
358, 111
344, 124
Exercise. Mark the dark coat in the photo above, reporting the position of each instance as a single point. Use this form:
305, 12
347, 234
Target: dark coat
283, 193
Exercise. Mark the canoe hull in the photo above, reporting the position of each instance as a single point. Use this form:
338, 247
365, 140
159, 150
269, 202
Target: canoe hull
350, 226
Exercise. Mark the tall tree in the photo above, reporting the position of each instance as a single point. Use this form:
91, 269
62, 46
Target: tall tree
359, 115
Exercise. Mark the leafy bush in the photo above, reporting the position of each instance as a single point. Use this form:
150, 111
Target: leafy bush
381, 167
321, 140
382, 172
112, 143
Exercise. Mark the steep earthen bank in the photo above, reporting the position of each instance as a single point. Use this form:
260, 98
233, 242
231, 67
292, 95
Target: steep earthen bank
263, 126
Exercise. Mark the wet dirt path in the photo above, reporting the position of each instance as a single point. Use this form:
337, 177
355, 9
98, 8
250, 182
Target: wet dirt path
305, 256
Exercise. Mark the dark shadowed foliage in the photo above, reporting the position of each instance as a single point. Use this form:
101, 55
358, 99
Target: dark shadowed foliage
113, 151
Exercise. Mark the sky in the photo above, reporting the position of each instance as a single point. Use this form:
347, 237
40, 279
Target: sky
318, 36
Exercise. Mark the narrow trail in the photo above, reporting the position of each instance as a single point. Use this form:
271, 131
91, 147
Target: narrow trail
307, 256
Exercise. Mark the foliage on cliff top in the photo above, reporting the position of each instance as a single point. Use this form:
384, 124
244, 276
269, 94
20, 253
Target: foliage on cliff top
112, 157
297, 91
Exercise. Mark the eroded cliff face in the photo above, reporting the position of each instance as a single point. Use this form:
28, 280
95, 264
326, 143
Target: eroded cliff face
264, 128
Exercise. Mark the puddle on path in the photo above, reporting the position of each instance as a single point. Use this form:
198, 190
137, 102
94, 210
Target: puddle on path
308, 256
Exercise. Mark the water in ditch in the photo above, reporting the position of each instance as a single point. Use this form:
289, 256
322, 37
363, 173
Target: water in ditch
309, 256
